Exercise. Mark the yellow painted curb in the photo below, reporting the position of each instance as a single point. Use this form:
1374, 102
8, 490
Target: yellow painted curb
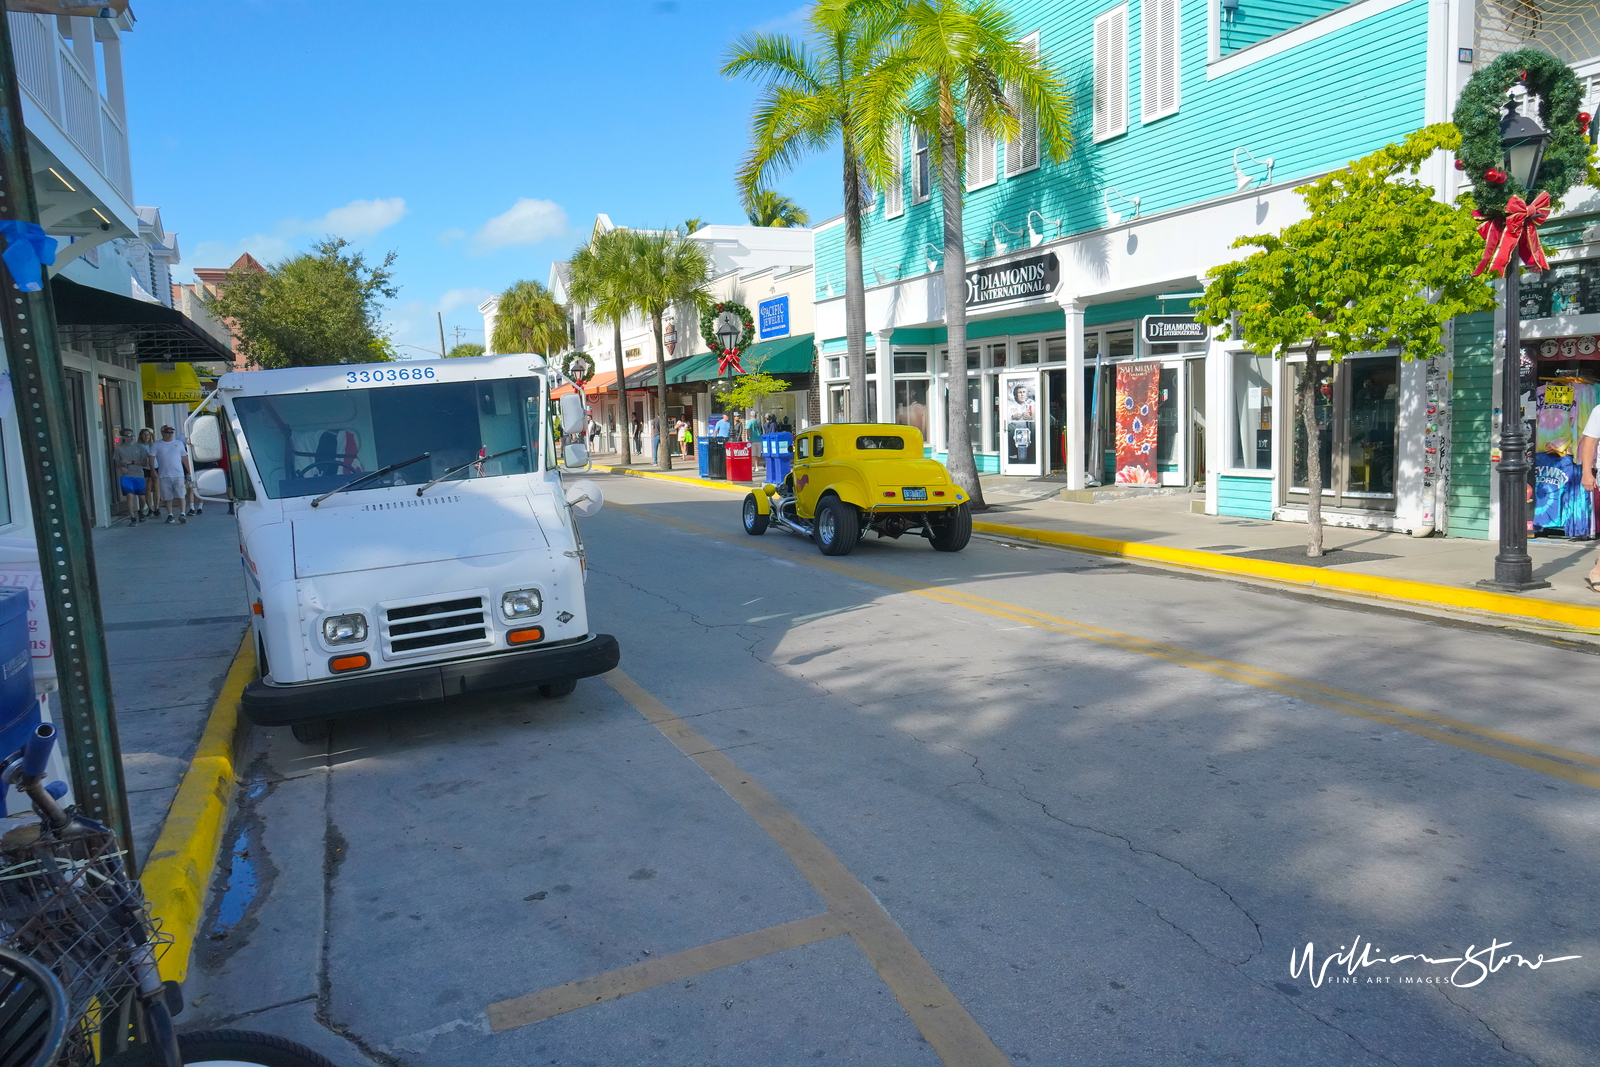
731, 487
1374, 585
185, 855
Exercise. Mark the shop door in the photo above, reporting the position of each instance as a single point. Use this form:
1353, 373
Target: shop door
1055, 454
1172, 443
1022, 447
1357, 403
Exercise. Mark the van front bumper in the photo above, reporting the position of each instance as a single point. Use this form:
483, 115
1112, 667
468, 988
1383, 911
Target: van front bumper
335, 698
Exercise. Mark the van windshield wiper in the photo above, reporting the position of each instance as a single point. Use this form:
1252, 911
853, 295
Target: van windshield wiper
456, 470
368, 477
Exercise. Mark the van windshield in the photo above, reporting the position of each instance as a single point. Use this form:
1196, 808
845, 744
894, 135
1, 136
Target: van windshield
307, 444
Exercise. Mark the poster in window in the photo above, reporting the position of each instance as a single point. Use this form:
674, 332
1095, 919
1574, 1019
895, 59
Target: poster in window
1137, 385
1022, 419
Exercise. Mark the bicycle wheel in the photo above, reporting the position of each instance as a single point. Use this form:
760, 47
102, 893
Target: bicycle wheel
33, 1012
228, 1048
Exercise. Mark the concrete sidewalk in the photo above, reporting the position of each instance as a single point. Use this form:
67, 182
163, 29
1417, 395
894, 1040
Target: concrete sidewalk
1168, 529
172, 599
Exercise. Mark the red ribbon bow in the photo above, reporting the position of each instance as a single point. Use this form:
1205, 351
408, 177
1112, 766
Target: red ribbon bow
728, 359
1517, 232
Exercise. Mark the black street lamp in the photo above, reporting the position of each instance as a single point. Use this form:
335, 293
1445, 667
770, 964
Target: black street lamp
1523, 141
728, 332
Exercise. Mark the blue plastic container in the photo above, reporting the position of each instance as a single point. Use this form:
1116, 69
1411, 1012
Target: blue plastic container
777, 449
702, 451
19, 707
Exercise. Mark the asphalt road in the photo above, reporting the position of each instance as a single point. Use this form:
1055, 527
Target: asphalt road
1014, 805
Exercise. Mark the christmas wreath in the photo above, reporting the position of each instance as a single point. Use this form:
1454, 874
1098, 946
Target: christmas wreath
577, 366
727, 357
1482, 106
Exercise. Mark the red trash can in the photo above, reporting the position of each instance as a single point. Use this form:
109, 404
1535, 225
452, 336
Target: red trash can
739, 461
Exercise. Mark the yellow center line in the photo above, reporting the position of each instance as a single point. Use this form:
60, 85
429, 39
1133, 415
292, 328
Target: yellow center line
1554, 760
934, 1010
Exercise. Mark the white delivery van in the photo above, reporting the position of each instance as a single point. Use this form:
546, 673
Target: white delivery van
404, 533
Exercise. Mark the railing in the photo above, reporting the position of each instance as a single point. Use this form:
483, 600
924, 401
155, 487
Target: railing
50, 74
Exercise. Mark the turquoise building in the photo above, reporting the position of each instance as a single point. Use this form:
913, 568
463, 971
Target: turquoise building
1194, 122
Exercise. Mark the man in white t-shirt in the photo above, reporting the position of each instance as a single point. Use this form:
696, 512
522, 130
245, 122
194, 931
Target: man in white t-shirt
1586, 460
173, 471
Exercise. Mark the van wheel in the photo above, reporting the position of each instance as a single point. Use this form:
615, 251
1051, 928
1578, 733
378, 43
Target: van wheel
951, 531
309, 733
838, 529
559, 689
755, 523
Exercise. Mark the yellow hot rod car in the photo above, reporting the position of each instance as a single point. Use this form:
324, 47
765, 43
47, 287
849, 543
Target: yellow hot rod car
853, 478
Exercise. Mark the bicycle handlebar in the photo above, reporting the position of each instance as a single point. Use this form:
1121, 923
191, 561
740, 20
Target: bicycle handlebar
36, 752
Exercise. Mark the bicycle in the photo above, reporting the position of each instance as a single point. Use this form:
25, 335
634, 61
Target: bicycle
67, 902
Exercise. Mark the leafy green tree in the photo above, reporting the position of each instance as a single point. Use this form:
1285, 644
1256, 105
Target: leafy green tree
530, 320
599, 280
765, 207
957, 67
667, 270
1379, 264
315, 309
466, 350
749, 389
815, 98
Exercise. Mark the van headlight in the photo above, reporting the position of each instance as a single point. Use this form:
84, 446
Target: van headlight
521, 603
344, 629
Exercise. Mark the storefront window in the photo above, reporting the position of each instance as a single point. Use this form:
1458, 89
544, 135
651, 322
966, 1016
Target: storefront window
911, 404
839, 403
997, 355
1055, 350
1119, 344
1027, 352
974, 359
914, 363
1252, 411
835, 366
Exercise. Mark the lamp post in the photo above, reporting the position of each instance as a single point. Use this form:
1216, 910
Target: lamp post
728, 332
1523, 142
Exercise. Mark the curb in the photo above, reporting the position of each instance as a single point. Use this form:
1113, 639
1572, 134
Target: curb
727, 487
184, 857
1367, 585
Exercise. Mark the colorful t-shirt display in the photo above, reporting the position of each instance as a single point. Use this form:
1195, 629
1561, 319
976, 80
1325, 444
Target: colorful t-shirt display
1560, 502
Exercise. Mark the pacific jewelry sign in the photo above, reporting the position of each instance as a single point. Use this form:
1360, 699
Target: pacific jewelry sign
1025, 278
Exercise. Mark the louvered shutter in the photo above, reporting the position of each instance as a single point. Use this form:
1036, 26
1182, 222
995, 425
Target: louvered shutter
980, 158
1111, 73
1023, 153
894, 202
1159, 58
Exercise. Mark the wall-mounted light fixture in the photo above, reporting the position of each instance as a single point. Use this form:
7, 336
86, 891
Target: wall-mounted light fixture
1000, 243
827, 284
879, 271
1114, 218
931, 256
1230, 8
1244, 179
1036, 237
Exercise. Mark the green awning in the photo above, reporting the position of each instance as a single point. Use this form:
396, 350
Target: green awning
785, 355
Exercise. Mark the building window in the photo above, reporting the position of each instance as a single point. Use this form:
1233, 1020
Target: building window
894, 203
1055, 350
980, 158
911, 404
1252, 409
1022, 152
916, 363
1111, 73
835, 367
1027, 352
921, 166
1159, 58
872, 361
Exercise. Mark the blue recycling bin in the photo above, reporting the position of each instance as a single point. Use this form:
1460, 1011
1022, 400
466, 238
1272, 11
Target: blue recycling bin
777, 450
19, 707
702, 451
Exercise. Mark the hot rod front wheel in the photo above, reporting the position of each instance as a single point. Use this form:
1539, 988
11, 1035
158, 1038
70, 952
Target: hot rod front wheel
755, 523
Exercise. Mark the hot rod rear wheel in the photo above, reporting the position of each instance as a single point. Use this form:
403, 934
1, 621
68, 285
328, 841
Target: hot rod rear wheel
838, 529
755, 523
951, 530
227, 1048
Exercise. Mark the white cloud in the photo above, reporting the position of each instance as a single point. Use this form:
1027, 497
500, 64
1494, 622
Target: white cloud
451, 236
527, 223
359, 218
462, 298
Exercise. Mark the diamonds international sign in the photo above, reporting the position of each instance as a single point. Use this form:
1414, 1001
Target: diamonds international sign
1019, 280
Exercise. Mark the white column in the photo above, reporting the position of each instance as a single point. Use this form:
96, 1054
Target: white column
111, 53
1077, 463
884, 338
1221, 418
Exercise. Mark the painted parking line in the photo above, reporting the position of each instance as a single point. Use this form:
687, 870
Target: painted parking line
1554, 760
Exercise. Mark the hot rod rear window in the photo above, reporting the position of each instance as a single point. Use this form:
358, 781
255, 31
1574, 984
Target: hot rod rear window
874, 441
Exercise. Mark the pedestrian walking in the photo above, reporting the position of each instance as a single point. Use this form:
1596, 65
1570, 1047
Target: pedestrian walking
128, 460
152, 490
752, 426
686, 431
1588, 446
175, 471
638, 433
771, 426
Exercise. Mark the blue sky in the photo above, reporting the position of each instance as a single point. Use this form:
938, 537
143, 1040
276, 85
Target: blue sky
476, 140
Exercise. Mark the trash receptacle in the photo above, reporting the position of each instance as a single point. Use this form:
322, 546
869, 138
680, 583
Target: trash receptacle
19, 707
738, 461
716, 457
702, 453
777, 449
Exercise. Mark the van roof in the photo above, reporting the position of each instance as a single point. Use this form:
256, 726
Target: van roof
330, 378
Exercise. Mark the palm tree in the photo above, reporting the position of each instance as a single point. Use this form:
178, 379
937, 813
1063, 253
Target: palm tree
598, 279
956, 66
814, 98
691, 225
530, 320
766, 207
667, 271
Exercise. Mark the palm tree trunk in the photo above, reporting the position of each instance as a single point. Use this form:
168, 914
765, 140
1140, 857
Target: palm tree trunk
958, 441
855, 296
1308, 417
624, 422
665, 459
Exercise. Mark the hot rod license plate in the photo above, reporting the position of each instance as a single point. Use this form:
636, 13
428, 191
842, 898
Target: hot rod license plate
913, 494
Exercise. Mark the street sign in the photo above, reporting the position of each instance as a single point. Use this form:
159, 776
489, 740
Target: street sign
1165, 329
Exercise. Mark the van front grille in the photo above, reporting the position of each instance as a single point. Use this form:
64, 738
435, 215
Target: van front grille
446, 622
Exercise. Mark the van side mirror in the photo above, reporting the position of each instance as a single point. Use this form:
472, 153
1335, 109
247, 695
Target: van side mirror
205, 439
574, 432
211, 485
